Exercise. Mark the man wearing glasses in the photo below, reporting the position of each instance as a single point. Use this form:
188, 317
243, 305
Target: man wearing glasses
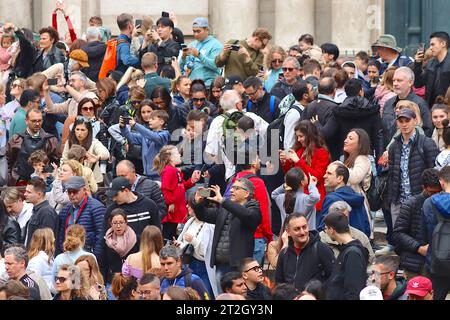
197, 60
253, 276
291, 75
23, 144
83, 210
244, 58
383, 273
235, 222
149, 287
261, 102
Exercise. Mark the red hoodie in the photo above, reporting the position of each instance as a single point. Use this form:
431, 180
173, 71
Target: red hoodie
174, 189
264, 230
319, 164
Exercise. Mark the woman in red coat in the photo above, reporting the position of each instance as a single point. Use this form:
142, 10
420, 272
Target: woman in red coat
310, 154
173, 188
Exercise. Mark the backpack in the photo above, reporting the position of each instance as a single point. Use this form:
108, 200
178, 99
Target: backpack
278, 124
110, 60
231, 140
272, 105
440, 252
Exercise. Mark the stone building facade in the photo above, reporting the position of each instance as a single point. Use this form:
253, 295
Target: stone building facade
351, 24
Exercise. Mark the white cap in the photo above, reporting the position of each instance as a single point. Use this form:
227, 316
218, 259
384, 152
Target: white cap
371, 293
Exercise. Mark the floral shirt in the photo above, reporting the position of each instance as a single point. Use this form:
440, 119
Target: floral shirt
405, 185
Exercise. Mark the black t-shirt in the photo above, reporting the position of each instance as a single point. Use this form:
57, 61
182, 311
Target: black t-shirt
32, 287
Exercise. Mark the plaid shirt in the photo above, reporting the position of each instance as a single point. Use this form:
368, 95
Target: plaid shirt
405, 185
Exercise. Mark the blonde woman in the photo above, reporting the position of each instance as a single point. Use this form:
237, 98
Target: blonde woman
73, 247
42, 249
58, 197
148, 256
273, 63
89, 267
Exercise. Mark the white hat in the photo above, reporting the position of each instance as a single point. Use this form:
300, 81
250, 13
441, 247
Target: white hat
371, 293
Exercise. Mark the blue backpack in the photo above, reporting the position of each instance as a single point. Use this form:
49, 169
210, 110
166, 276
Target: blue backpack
272, 105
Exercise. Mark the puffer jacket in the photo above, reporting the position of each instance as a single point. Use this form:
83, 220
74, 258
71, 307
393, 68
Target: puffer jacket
314, 262
244, 221
408, 234
417, 164
358, 112
91, 218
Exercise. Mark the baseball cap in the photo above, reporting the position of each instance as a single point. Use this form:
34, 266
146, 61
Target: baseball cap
231, 81
406, 113
118, 184
200, 23
75, 183
371, 293
419, 286
81, 57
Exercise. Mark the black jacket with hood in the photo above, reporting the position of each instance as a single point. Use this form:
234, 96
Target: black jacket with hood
358, 112
96, 52
314, 262
349, 274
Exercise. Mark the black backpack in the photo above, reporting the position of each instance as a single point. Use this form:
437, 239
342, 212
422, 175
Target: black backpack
278, 124
440, 252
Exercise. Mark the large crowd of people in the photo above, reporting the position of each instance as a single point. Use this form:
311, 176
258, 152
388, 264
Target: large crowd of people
141, 167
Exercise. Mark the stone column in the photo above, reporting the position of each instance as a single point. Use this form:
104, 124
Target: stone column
352, 25
233, 19
292, 19
19, 12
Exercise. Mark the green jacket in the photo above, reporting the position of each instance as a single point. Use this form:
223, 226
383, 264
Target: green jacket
18, 124
152, 80
236, 65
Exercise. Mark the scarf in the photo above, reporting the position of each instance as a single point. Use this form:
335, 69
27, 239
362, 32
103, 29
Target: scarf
121, 245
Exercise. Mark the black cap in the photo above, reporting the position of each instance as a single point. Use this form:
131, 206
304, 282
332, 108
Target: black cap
231, 81
118, 184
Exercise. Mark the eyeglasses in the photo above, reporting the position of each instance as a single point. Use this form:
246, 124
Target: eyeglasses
88, 108
255, 268
238, 188
60, 279
288, 69
118, 223
252, 93
198, 99
277, 61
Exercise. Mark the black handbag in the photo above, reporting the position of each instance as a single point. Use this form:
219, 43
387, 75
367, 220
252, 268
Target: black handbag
376, 191
188, 251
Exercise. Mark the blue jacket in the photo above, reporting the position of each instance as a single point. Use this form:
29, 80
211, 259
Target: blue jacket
180, 281
151, 143
91, 219
358, 215
124, 57
439, 203
204, 66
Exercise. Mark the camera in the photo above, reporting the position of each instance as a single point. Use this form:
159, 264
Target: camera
165, 14
184, 46
126, 119
168, 60
52, 82
235, 47
138, 23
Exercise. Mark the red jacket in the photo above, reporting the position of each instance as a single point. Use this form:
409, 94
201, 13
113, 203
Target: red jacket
264, 230
319, 163
174, 189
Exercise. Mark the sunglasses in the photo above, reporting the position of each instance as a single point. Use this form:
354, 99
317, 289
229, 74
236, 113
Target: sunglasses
60, 279
288, 69
277, 61
199, 99
136, 102
88, 108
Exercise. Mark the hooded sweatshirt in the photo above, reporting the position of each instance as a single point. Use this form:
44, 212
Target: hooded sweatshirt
358, 216
437, 204
349, 274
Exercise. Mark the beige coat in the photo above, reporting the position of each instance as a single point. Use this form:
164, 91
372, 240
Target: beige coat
97, 149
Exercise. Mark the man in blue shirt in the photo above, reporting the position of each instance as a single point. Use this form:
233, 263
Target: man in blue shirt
198, 60
124, 57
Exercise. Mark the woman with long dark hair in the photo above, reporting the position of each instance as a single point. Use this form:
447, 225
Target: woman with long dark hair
161, 97
309, 154
291, 198
82, 134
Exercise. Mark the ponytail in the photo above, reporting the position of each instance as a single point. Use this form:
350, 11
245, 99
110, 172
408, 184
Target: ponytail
294, 178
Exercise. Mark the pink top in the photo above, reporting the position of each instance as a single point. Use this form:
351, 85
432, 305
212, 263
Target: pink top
128, 271
382, 94
5, 56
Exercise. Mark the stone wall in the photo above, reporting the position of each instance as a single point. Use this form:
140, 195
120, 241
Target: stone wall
351, 24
